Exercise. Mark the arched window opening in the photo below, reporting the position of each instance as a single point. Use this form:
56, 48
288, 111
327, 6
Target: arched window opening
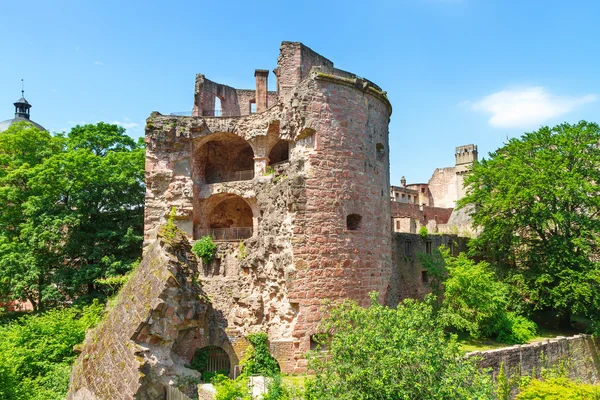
226, 158
280, 152
380, 151
353, 222
209, 361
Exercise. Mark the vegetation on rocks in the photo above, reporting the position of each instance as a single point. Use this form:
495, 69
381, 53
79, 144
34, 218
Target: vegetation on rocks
205, 249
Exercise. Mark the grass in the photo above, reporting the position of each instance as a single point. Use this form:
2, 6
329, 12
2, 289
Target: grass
296, 380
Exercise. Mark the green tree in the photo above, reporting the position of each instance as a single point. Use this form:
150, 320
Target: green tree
71, 211
537, 203
474, 300
36, 352
383, 353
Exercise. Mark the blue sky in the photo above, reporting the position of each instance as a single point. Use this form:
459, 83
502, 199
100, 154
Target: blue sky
456, 71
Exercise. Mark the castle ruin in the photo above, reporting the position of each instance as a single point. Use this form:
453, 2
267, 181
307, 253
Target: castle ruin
293, 186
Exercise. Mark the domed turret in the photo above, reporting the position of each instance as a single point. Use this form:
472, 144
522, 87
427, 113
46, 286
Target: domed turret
22, 114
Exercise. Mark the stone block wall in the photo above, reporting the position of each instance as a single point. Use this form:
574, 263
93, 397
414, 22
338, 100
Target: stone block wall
407, 279
578, 355
131, 354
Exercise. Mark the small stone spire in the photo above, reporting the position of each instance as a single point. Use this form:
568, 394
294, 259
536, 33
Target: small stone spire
22, 106
403, 181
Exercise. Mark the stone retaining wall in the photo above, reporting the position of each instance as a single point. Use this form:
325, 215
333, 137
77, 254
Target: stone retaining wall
578, 355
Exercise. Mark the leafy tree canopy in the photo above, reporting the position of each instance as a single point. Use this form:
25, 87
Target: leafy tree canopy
537, 203
36, 352
384, 353
71, 211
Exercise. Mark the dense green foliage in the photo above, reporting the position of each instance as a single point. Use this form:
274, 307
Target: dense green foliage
71, 211
205, 249
383, 353
537, 203
278, 390
258, 360
231, 389
473, 299
560, 388
36, 352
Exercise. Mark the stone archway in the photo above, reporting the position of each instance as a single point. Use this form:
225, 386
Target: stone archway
223, 157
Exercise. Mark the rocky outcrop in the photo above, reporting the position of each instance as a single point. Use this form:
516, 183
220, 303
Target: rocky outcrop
136, 350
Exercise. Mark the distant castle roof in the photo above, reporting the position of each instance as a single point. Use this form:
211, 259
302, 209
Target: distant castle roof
22, 107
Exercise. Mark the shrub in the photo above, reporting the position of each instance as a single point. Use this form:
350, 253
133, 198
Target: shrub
384, 353
474, 300
559, 389
277, 390
258, 360
228, 389
242, 251
516, 329
423, 232
205, 248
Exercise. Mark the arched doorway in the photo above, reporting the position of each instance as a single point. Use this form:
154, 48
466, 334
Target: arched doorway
209, 361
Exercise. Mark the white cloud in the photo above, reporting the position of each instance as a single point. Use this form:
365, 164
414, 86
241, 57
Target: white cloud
98, 63
527, 107
126, 123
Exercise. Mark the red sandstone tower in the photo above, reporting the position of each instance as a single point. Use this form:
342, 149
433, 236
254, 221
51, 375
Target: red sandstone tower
292, 185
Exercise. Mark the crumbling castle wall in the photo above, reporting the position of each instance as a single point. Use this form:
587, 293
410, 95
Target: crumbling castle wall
289, 235
133, 352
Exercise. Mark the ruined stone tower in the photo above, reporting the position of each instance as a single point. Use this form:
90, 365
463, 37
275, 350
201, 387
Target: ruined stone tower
292, 185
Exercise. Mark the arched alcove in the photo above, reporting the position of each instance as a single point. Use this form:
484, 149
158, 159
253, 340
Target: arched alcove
280, 152
211, 360
225, 217
224, 157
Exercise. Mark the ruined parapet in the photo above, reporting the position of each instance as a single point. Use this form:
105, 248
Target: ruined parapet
133, 353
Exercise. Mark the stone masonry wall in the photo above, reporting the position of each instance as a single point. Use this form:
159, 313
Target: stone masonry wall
579, 356
407, 270
345, 177
130, 355
300, 250
443, 187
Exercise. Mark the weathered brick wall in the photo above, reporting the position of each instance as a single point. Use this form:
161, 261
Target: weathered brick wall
129, 355
419, 215
579, 355
294, 64
407, 270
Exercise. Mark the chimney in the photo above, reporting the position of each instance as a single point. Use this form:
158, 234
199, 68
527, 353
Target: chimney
262, 76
